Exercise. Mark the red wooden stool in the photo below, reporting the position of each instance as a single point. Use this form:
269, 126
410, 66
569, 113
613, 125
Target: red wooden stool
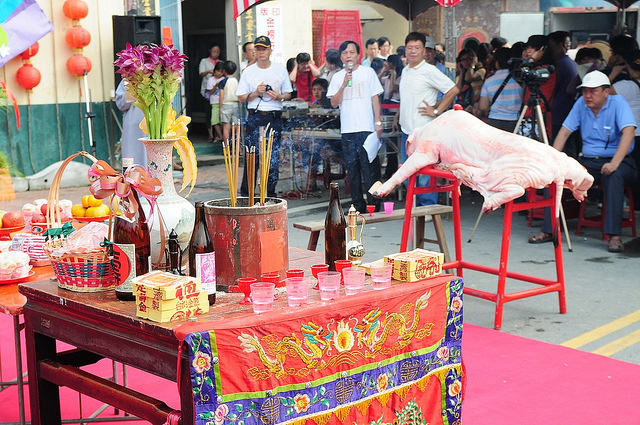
597, 221
500, 297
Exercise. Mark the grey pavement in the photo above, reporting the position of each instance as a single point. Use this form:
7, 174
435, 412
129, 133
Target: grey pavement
602, 288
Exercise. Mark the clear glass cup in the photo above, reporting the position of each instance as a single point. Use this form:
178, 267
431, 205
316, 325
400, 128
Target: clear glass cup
297, 290
381, 275
262, 296
329, 285
353, 278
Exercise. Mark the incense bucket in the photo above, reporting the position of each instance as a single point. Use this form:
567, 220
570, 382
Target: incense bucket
248, 241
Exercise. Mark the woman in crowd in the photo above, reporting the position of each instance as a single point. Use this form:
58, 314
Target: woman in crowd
468, 78
331, 65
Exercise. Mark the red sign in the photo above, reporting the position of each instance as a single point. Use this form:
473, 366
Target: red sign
448, 3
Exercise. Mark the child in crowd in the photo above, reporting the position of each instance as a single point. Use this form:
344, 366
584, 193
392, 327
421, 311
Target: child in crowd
214, 99
319, 89
229, 106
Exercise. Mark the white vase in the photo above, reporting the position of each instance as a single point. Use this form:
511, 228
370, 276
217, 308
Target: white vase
177, 212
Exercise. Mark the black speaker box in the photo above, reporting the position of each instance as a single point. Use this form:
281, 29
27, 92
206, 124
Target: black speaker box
134, 30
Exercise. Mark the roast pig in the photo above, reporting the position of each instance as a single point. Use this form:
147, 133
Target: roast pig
498, 164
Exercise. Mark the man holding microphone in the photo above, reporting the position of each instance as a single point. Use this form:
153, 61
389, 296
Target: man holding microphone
356, 89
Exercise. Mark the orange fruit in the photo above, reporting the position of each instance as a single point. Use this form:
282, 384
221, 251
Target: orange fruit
90, 201
100, 211
78, 210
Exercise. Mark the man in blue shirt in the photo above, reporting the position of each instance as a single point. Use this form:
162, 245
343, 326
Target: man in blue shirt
607, 126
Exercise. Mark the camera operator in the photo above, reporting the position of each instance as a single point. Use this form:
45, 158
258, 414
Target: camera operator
537, 51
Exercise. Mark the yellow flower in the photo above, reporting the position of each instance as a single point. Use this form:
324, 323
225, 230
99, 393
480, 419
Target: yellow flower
343, 337
301, 403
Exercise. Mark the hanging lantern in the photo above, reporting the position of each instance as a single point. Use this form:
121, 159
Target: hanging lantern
77, 65
75, 9
31, 51
28, 77
78, 37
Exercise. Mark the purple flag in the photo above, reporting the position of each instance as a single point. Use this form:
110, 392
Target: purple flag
22, 23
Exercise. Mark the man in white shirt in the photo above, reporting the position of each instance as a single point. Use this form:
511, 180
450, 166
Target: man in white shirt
262, 87
419, 87
356, 89
249, 53
371, 47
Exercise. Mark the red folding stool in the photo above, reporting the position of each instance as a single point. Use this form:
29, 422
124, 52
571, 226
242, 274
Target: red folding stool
500, 297
597, 221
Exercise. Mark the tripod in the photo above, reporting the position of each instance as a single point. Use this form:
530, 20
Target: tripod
537, 128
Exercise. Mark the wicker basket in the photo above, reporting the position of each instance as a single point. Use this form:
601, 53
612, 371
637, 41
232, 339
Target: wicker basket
87, 271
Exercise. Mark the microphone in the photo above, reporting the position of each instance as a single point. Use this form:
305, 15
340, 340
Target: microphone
350, 71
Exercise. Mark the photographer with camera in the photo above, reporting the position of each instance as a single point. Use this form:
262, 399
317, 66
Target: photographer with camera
262, 87
536, 72
501, 96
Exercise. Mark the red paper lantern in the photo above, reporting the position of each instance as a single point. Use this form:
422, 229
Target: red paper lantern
31, 51
78, 37
28, 77
77, 65
75, 9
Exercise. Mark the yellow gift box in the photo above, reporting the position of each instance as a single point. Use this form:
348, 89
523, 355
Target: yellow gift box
163, 297
415, 265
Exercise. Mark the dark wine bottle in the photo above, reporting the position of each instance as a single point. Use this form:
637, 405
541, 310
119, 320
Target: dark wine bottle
202, 260
334, 230
132, 236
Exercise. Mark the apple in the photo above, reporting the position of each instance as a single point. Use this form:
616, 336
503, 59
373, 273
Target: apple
44, 209
38, 218
13, 219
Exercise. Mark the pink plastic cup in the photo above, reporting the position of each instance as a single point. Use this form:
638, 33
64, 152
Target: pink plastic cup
297, 290
262, 296
388, 208
381, 275
329, 285
353, 278
317, 268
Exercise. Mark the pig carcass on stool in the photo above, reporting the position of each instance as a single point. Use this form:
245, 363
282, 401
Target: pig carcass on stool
498, 164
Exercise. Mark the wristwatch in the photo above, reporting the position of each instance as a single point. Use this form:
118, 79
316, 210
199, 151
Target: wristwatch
378, 123
435, 112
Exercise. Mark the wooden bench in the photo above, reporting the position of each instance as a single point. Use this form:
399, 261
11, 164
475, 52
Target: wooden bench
435, 211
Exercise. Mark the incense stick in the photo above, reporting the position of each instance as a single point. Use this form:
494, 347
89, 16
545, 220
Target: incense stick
236, 158
251, 173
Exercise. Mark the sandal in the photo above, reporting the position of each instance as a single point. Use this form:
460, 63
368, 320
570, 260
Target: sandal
615, 244
541, 237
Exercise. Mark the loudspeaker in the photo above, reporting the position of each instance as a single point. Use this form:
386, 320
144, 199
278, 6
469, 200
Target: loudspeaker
134, 30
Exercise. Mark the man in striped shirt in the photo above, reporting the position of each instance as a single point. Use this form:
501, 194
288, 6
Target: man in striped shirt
503, 113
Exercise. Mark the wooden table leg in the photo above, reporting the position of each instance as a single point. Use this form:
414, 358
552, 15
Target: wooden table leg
442, 239
313, 241
419, 233
44, 396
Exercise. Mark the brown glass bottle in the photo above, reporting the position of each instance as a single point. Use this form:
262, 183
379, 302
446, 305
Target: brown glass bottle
201, 254
334, 230
132, 236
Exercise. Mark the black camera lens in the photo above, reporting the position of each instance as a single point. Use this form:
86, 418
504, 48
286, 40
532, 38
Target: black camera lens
268, 87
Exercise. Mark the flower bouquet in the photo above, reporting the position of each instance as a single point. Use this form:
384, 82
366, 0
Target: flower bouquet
153, 74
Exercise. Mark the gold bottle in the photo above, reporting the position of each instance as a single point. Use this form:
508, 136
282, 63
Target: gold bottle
355, 248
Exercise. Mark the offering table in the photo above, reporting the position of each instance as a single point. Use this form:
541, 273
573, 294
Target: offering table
378, 355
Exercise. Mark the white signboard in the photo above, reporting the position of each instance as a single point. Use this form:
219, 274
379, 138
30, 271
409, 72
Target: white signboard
269, 23
517, 26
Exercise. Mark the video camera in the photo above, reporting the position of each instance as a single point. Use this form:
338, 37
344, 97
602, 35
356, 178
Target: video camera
526, 71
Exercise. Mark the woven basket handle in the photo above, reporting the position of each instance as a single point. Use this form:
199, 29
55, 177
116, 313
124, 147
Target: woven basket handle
53, 214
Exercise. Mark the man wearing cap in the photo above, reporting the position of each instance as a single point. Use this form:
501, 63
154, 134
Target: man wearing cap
430, 57
608, 129
356, 89
262, 87
419, 104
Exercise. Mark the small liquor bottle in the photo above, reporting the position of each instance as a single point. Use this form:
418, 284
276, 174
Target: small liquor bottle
202, 258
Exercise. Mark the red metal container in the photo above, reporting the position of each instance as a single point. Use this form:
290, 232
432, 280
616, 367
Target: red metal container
248, 241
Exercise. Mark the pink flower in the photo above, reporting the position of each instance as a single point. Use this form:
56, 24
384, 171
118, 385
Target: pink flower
455, 387
301, 403
443, 353
221, 412
456, 304
201, 362
383, 382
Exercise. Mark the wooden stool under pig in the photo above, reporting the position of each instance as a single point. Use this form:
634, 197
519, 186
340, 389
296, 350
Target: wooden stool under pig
500, 297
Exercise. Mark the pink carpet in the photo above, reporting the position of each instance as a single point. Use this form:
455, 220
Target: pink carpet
511, 380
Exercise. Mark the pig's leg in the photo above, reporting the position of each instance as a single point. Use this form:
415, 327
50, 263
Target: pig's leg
501, 195
413, 164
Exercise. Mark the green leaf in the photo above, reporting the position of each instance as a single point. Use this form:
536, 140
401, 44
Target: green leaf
232, 416
283, 401
324, 402
314, 398
252, 406
239, 407
289, 411
322, 390
208, 381
247, 415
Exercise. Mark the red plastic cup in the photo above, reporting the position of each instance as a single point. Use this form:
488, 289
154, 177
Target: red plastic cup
295, 273
341, 264
317, 268
244, 283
